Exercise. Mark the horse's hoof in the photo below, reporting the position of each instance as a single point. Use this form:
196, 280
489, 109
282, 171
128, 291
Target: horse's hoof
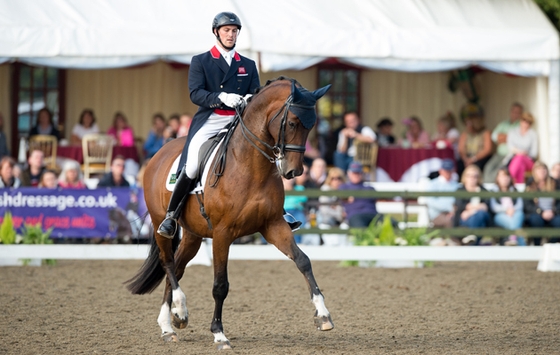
324, 322
179, 323
223, 345
170, 337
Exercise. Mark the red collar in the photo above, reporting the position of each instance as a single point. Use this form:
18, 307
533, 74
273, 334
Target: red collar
216, 54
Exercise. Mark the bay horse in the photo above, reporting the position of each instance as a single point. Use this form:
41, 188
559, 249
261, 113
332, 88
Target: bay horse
267, 144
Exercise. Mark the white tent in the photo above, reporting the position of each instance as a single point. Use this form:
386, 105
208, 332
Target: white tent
506, 36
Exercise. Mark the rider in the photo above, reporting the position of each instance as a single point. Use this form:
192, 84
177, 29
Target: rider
219, 81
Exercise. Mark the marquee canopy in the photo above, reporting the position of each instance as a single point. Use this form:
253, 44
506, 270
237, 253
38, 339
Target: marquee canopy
410, 35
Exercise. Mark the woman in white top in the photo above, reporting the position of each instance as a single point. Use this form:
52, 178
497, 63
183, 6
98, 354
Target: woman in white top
523, 144
508, 212
84, 126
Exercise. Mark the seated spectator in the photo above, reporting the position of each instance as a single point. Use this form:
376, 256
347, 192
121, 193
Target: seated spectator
121, 131
542, 211
330, 210
115, 178
7, 178
85, 125
523, 145
304, 180
508, 212
360, 211
415, 136
45, 125
441, 209
71, 176
4, 151
311, 153
499, 137
475, 143
36, 166
155, 139
185, 124
353, 129
472, 212
318, 172
447, 134
17, 171
384, 132
555, 171
295, 205
49, 180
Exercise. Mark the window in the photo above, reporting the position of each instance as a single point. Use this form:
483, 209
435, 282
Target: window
344, 94
34, 88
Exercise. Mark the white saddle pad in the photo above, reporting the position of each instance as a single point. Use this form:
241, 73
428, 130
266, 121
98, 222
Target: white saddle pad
170, 180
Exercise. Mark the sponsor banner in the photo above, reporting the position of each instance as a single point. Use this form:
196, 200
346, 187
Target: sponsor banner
103, 212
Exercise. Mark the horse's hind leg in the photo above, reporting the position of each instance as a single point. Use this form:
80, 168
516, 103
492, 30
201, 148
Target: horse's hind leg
220, 289
174, 308
281, 236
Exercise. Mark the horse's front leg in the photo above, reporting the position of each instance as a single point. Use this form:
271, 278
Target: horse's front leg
282, 237
220, 289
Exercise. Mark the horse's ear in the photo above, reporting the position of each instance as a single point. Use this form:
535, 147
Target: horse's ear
320, 92
296, 94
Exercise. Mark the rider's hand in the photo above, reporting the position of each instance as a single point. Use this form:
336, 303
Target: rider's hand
230, 100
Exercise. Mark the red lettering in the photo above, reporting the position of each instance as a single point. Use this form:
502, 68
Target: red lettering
84, 221
57, 222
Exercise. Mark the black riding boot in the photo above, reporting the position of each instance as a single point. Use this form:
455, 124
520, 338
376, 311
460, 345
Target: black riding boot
183, 186
292, 221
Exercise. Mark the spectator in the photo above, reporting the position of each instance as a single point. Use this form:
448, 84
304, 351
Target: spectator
85, 125
360, 211
71, 176
475, 143
45, 124
304, 180
318, 171
384, 132
508, 213
17, 171
441, 209
295, 205
4, 151
555, 171
542, 211
185, 123
49, 180
7, 178
36, 166
121, 131
499, 137
155, 138
353, 129
115, 178
415, 135
174, 123
330, 210
472, 212
523, 145
311, 153
447, 134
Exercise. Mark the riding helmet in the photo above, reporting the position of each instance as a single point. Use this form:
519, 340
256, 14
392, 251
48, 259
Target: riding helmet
225, 18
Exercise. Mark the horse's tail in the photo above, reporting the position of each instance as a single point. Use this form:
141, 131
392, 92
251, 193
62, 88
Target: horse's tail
151, 273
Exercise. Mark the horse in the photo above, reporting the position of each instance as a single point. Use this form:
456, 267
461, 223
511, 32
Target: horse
267, 143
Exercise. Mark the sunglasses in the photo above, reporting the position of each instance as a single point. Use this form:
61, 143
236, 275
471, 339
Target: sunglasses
336, 178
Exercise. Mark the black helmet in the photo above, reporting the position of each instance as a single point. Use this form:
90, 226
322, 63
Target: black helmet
225, 18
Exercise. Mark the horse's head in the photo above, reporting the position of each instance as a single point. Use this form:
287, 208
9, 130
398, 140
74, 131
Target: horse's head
290, 117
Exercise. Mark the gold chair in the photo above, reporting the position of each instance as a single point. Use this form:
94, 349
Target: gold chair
98, 152
47, 144
366, 154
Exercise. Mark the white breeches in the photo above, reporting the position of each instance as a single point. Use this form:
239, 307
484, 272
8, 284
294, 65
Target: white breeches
211, 127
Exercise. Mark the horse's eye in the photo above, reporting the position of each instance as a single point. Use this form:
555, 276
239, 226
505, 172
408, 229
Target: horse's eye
292, 125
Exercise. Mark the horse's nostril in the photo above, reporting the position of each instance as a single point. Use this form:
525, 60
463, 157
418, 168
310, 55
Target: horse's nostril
290, 174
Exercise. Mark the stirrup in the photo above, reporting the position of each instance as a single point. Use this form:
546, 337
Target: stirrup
292, 222
168, 223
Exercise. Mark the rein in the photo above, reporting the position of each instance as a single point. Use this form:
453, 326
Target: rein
280, 147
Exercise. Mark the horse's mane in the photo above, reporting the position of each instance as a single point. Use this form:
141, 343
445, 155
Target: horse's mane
268, 82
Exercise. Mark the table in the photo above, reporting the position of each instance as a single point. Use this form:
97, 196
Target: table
75, 152
408, 164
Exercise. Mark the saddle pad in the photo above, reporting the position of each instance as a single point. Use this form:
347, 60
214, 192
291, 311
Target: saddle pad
171, 175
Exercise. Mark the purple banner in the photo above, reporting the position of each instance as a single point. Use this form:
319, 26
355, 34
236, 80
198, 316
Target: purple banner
71, 213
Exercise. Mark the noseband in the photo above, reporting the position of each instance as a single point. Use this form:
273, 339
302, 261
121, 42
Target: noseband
280, 147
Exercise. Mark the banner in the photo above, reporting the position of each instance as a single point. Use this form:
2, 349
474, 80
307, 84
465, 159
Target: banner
104, 212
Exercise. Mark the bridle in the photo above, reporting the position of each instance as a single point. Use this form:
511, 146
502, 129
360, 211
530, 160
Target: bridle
280, 147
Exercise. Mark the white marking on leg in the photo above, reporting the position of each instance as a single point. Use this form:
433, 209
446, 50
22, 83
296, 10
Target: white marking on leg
164, 319
220, 337
180, 304
319, 303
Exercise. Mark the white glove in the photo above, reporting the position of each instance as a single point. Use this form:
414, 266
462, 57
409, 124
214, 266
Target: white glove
247, 97
230, 100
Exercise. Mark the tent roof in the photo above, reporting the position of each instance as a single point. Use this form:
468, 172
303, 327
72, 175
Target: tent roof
410, 34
